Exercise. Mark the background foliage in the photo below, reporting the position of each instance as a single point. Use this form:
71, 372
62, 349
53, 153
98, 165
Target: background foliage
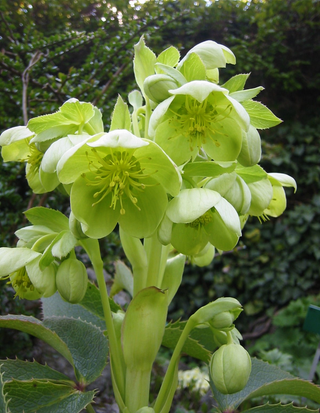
51, 51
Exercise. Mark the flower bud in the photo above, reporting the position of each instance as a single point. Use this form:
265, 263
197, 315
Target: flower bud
75, 227
250, 153
230, 368
72, 280
157, 87
223, 320
145, 409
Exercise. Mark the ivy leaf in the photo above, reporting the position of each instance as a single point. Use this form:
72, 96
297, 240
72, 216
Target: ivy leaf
44, 396
260, 116
279, 408
120, 116
267, 379
193, 347
25, 370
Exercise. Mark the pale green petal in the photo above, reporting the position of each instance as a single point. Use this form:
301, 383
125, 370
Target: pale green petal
239, 196
17, 151
155, 161
229, 216
165, 230
48, 180
188, 240
223, 140
278, 203
219, 235
75, 161
204, 257
15, 134
190, 204
119, 138
33, 177
199, 89
174, 144
250, 153
222, 183
239, 113
261, 194
158, 114
43, 281
97, 221
12, 259
284, 180
143, 222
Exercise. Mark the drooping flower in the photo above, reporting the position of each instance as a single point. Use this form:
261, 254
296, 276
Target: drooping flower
199, 216
200, 116
119, 178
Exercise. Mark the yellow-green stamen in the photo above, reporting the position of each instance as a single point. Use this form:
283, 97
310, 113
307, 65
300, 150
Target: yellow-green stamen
205, 219
118, 173
21, 281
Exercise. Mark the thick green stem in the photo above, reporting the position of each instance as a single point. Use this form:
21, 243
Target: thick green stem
148, 114
168, 381
90, 409
154, 252
93, 250
137, 389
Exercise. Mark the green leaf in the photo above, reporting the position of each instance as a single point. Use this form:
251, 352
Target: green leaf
210, 168
45, 396
120, 116
47, 217
251, 173
25, 370
89, 309
143, 63
194, 345
236, 83
88, 357
135, 99
3, 399
279, 408
169, 56
86, 342
260, 116
247, 94
267, 379
193, 68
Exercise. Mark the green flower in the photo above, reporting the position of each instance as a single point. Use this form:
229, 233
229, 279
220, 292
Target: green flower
200, 116
197, 217
119, 178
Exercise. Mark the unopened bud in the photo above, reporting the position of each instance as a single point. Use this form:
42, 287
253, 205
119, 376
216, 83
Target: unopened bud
230, 368
72, 280
157, 87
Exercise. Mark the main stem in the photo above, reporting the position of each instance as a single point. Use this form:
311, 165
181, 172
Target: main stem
93, 250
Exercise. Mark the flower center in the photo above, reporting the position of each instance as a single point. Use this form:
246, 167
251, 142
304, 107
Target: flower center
118, 173
35, 156
195, 121
201, 221
21, 281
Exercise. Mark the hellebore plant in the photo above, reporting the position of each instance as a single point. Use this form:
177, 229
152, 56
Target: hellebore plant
177, 175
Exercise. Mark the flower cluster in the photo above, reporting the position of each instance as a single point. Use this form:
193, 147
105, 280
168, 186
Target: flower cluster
196, 380
182, 163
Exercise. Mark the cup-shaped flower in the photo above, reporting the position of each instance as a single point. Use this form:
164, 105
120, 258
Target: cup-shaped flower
119, 178
198, 216
200, 116
15, 144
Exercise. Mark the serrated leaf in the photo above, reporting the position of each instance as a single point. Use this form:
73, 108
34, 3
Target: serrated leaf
89, 309
50, 218
266, 379
45, 396
169, 56
260, 116
88, 357
279, 408
242, 95
143, 62
25, 370
3, 402
192, 347
120, 116
236, 83
86, 342
251, 173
